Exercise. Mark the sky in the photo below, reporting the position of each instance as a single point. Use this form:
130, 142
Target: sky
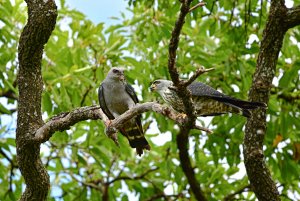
100, 10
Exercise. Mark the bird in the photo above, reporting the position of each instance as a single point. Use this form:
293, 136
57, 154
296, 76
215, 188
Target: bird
116, 96
207, 101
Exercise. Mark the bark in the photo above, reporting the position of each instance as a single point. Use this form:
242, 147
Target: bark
184, 94
41, 21
65, 120
279, 20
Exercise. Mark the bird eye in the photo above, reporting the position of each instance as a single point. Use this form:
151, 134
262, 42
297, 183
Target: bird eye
115, 70
156, 82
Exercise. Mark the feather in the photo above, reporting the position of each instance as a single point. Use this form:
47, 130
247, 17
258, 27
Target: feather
199, 89
116, 97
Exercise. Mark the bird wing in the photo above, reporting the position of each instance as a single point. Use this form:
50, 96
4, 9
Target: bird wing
136, 134
199, 89
103, 103
129, 89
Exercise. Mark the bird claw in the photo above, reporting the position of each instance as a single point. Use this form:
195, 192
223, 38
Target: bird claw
107, 123
181, 116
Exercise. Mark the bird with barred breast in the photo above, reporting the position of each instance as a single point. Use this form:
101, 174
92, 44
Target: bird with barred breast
116, 96
207, 101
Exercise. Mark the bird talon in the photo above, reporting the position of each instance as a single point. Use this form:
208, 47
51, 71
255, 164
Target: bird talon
181, 116
107, 123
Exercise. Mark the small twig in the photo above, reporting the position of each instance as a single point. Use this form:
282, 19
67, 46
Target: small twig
239, 191
198, 72
210, 10
197, 6
87, 184
113, 161
85, 95
6, 156
203, 129
9, 94
142, 176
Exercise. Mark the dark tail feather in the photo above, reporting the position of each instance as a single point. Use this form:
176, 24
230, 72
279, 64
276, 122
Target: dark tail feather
247, 105
137, 140
246, 113
251, 105
259, 104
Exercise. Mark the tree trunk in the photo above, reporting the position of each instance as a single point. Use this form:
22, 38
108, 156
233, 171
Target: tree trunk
279, 21
41, 22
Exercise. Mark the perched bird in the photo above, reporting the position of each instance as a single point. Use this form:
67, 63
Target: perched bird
207, 101
116, 97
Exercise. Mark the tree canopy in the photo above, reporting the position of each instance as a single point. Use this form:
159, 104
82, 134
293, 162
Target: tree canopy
84, 164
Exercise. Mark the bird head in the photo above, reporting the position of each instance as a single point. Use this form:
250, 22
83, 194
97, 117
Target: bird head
161, 85
116, 74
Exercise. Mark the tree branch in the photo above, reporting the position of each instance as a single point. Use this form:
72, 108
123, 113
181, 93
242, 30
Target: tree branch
184, 94
150, 106
9, 94
198, 72
142, 176
175, 40
293, 17
6, 156
87, 184
197, 6
65, 120
239, 191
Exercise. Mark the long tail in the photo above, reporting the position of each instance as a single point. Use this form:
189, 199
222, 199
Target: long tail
244, 107
240, 103
136, 139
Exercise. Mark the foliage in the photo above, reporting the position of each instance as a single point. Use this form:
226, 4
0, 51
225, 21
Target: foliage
83, 163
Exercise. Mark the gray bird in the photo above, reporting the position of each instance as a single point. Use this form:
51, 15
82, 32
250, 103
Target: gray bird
116, 97
207, 101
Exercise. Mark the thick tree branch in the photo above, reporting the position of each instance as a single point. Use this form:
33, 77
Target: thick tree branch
293, 17
155, 107
259, 175
184, 94
41, 22
65, 120
175, 40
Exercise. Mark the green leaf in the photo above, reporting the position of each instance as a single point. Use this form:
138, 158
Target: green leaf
3, 110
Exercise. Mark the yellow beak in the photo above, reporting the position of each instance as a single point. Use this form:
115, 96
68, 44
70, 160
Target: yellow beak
153, 87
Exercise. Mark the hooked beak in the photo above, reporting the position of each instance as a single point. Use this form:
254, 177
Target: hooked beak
152, 87
122, 77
